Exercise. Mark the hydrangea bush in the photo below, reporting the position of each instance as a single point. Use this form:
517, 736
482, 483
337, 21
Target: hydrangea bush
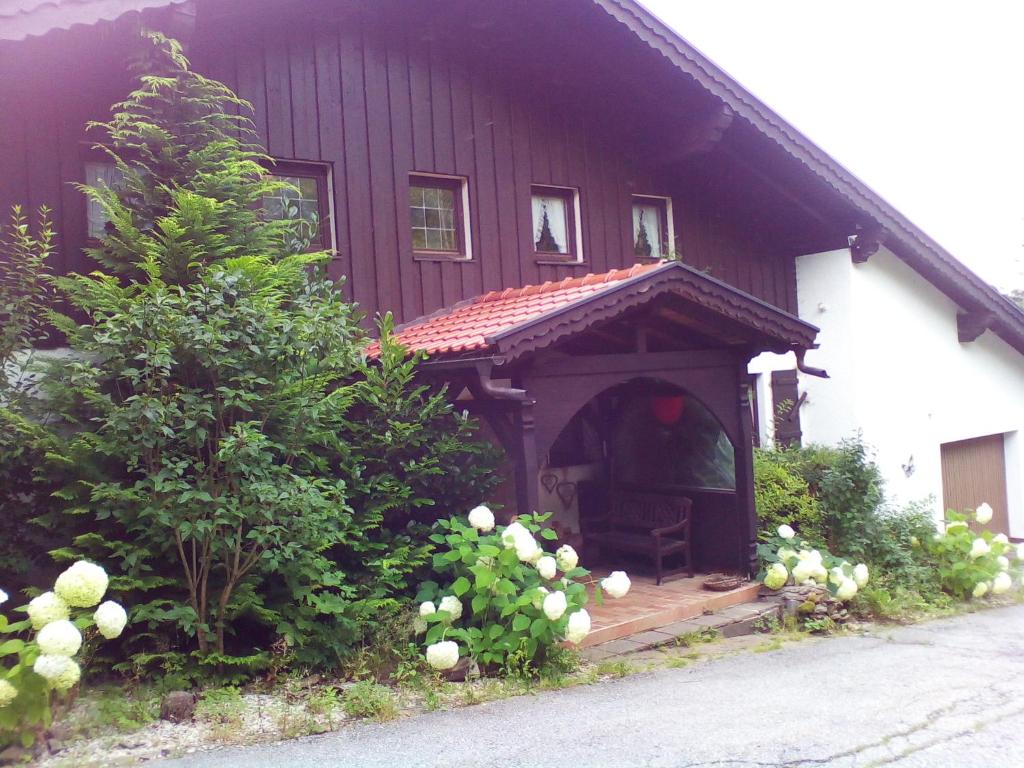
970, 564
788, 559
36, 669
503, 602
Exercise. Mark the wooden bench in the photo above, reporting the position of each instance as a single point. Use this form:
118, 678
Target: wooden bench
649, 523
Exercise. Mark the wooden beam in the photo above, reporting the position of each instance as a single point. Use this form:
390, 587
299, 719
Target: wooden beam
865, 243
970, 325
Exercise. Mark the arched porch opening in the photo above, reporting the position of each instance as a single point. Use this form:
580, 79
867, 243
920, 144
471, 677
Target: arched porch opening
644, 434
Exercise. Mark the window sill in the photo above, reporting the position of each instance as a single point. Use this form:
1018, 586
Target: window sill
439, 256
558, 262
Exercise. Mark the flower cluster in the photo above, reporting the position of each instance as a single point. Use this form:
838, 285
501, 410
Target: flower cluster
791, 560
974, 564
58, 638
505, 590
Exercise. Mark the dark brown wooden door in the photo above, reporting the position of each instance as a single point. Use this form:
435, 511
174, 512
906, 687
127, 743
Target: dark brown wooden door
974, 471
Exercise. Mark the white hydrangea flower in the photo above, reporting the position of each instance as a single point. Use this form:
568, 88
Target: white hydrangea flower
820, 574
786, 531
3, 599
578, 626
860, 575
554, 605
979, 548
512, 533
110, 619
419, 626
776, 576
983, 514
7, 693
980, 589
443, 655
528, 550
481, 518
538, 597
616, 584
803, 571
836, 575
1004, 563
847, 589
427, 608
45, 608
1002, 538
786, 554
59, 671
453, 605
59, 638
566, 558
1001, 583
547, 567
82, 585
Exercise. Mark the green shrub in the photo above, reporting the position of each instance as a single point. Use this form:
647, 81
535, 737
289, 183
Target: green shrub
38, 668
369, 699
973, 565
516, 608
253, 471
783, 497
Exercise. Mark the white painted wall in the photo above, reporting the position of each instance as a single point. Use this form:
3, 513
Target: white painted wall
900, 376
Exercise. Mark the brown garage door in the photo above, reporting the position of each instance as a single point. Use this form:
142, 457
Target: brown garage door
974, 471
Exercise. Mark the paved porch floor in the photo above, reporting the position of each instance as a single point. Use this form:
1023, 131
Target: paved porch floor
648, 606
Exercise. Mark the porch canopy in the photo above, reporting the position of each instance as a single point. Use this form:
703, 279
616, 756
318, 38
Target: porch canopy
532, 357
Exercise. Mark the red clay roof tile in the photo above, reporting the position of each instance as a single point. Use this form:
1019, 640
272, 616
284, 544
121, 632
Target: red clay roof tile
466, 326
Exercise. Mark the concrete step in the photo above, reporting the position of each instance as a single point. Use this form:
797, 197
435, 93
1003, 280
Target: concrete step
736, 620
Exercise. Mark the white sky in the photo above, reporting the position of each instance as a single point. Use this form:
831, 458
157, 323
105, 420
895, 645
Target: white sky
922, 99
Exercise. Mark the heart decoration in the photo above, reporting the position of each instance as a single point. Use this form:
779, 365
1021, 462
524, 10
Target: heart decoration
549, 481
567, 493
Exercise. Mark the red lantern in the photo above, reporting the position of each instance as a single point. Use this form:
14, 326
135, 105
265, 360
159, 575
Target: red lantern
667, 409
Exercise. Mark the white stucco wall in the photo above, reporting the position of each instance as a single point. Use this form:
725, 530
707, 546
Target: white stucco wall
900, 376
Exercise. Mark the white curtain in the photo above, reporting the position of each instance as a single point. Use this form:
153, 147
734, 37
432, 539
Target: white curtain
558, 221
650, 216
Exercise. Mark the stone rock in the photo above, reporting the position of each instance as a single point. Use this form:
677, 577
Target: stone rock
459, 672
178, 707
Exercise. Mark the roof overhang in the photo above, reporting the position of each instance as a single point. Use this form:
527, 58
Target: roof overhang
21, 19
904, 238
540, 317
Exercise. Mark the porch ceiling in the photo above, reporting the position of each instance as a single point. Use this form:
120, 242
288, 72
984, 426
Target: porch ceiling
676, 302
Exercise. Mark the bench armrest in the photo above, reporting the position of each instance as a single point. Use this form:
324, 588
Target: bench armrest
670, 529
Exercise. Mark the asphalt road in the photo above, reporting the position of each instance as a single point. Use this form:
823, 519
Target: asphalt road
946, 693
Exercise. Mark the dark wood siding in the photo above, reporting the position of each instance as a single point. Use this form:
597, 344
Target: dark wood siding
377, 101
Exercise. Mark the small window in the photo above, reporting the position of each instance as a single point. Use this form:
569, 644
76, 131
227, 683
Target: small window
556, 223
439, 215
99, 174
308, 204
652, 226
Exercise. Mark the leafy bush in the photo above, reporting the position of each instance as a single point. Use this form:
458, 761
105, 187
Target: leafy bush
791, 560
970, 564
517, 607
43, 668
255, 468
783, 497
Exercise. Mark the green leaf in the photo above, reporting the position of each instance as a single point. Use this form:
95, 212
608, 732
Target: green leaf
549, 534
11, 646
461, 586
537, 627
520, 622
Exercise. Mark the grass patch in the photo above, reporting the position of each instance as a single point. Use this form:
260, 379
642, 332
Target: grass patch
368, 699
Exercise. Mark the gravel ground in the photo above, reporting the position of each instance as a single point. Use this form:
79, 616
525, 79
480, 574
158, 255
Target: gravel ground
946, 693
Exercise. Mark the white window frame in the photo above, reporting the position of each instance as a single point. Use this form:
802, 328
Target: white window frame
575, 257
670, 227
467, 231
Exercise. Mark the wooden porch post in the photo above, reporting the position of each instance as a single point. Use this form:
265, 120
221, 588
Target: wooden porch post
745, 504
527, 464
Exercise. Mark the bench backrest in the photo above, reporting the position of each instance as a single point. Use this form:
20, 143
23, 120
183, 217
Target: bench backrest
631, 508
